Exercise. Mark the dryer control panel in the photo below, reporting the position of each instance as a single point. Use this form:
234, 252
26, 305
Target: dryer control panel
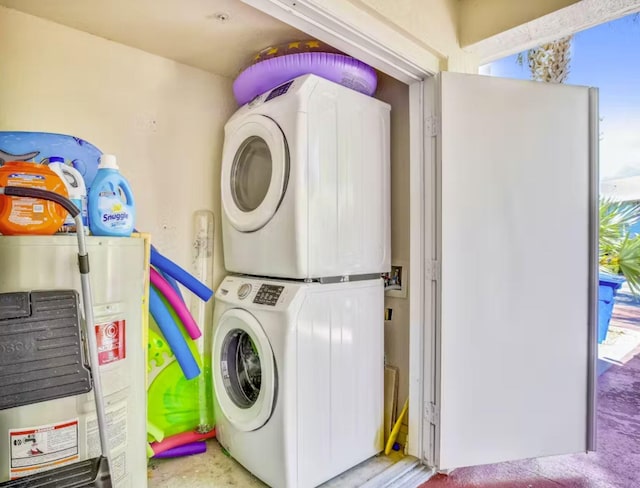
278, 91
268, 295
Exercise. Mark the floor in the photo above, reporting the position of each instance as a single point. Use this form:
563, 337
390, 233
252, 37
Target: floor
214, 469
616, 464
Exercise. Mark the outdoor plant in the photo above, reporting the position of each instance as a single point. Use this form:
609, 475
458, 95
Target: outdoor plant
619, 253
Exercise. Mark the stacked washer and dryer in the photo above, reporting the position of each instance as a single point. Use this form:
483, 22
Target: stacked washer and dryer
298, 354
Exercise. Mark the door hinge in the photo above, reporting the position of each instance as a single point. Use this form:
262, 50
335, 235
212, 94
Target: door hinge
431, 413
434, 270
432, 126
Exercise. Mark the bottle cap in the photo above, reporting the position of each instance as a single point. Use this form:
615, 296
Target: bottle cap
108, 161
56, 159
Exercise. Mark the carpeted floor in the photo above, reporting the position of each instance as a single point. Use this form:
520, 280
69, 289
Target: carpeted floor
616, 464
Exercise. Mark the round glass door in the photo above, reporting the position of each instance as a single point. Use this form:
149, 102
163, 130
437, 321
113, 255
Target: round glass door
243, 370
251, 175
243, 376
255, 172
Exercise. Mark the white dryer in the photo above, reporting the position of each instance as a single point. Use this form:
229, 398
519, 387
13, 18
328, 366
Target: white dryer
305, 183
298, 376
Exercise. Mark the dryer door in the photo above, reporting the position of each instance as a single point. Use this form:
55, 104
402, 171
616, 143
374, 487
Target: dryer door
244, 373
255, 170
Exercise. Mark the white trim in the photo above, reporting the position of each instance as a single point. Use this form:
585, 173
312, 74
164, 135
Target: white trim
408, 471
428, 194
352, 30
417, 276
563, 22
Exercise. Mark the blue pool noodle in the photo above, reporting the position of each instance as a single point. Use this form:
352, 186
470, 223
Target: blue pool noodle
172, 282
166, 266
171, 333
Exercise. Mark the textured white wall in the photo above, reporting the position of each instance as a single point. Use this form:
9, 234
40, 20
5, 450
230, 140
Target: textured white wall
163, 120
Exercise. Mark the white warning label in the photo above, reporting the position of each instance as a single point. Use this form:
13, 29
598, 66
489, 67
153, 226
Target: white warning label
118, 465
116, 431
36, 449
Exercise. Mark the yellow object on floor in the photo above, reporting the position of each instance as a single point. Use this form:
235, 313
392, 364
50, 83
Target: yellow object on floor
396, 428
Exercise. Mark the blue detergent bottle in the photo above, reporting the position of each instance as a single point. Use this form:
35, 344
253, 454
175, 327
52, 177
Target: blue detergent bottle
111, 206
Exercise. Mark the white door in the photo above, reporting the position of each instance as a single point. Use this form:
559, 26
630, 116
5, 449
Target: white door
244, 372
516, 241
255, 171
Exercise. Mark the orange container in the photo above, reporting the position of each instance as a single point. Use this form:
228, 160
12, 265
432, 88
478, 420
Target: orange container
19, 215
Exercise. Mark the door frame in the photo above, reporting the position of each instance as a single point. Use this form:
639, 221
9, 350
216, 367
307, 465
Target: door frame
405, 60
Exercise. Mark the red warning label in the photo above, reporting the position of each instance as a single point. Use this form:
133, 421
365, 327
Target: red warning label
111, 341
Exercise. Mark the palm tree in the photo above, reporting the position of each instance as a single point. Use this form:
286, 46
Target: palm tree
550, 61
619, 253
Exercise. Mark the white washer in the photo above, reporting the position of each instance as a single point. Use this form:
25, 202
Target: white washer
298, 376
305, 183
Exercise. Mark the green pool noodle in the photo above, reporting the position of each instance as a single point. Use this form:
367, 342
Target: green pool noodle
154, 432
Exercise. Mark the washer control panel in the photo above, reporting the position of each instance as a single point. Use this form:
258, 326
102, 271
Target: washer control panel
267, 294
244, 290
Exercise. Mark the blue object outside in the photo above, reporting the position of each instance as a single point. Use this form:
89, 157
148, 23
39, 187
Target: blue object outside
607, 289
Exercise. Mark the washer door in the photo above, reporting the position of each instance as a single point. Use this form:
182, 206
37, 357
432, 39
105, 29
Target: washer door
243, 370
255, 170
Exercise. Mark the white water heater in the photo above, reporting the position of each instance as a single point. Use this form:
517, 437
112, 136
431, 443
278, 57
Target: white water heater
64, 431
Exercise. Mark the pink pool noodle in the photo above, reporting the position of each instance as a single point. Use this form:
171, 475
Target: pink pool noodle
180, 440
178, 305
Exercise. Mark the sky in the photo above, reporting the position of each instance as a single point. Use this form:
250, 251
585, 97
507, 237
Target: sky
607, 57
